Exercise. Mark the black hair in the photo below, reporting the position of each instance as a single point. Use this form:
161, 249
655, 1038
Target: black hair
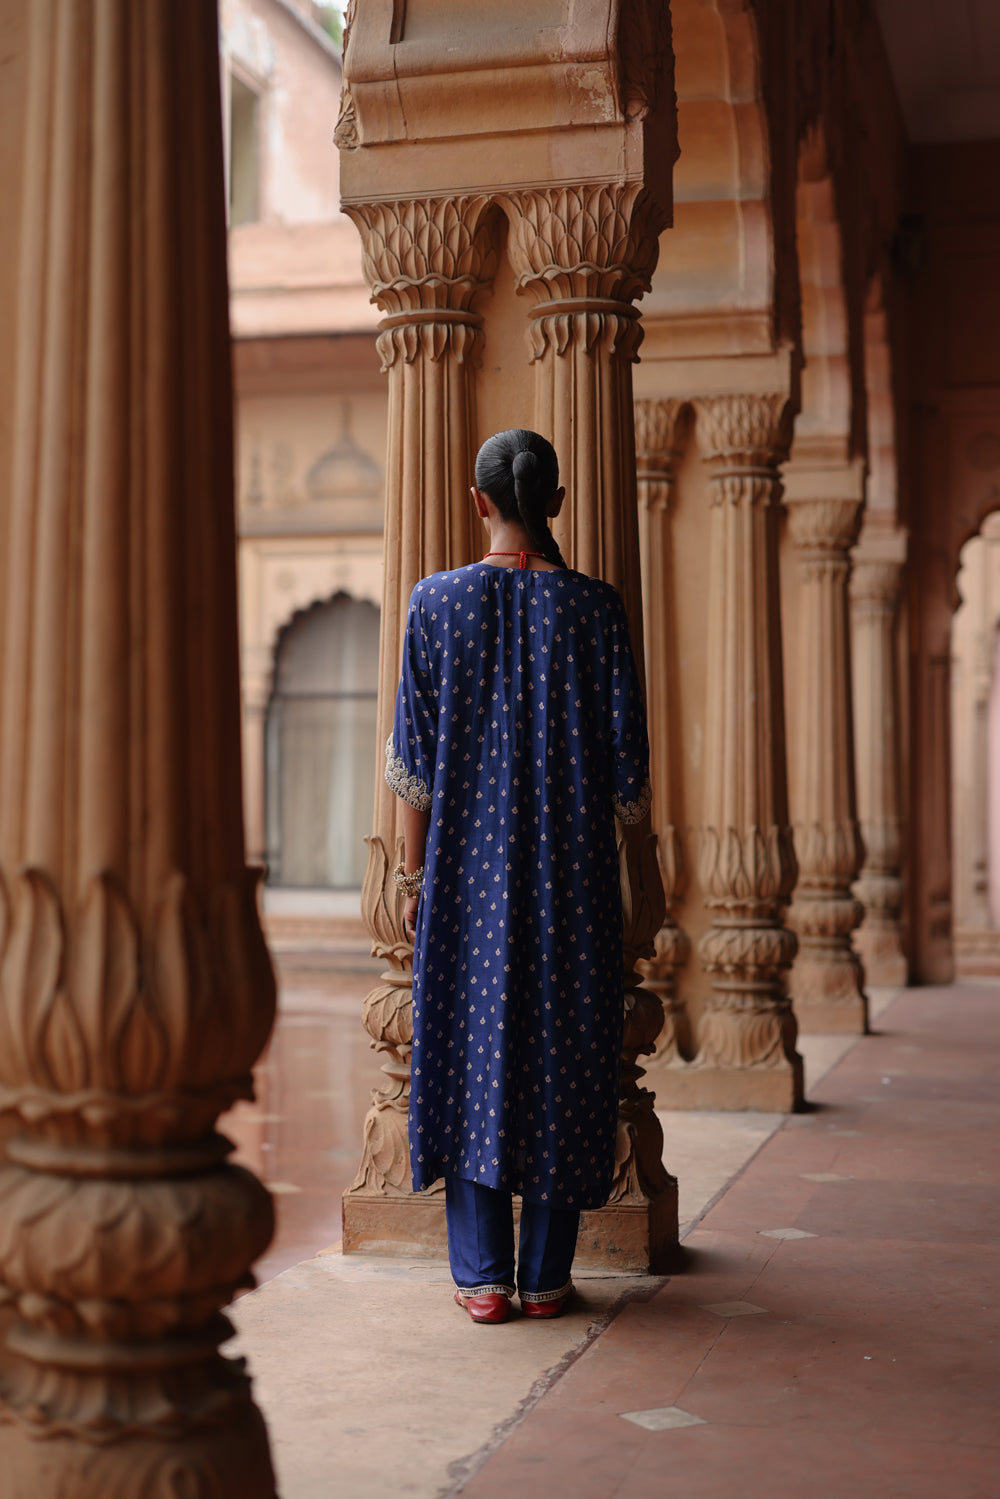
519, 471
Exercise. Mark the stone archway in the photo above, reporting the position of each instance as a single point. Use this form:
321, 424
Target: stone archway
320, 759
726, 283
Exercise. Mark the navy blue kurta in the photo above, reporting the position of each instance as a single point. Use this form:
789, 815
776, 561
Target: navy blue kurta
520, 724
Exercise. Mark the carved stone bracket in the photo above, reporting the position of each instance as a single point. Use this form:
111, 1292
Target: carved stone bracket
827, 980
748, 867
345, 135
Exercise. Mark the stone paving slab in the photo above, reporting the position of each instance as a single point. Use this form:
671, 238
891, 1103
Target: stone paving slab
870, 1367
372, 1381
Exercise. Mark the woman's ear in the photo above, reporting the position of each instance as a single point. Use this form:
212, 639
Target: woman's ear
554, 506
481, 503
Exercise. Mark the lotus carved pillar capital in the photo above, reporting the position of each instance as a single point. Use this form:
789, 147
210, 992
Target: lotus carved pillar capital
824, 530
583, 254
745, 431
659, 428
424, 260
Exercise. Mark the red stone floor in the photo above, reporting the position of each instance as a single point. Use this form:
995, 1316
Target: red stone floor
302, 1135
836, 1332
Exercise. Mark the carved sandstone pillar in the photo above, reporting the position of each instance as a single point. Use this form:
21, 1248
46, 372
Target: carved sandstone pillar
135, 989
970, 740
256, 693
424, 260
657, 453
978, 825
747, 1055
875, 585
827, 983
583, 254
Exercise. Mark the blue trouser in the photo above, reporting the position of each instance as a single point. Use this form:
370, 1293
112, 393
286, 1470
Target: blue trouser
481, 1242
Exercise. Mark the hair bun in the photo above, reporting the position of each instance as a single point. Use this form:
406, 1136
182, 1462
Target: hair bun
524, 465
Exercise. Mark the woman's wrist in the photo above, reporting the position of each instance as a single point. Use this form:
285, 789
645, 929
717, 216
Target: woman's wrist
410, 882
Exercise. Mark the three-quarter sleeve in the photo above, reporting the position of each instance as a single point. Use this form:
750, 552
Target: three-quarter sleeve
631, 792
410, 750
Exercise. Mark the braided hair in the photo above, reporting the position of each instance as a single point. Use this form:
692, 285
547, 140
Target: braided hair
520, 473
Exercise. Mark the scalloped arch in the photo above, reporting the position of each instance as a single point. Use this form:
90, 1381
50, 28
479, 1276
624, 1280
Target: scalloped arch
833, 395
315, 606
305, 594
716, 270
883, 468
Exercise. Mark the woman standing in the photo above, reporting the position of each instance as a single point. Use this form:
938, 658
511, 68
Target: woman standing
519, 735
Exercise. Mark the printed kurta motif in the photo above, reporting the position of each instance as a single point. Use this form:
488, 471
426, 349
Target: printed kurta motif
519, 724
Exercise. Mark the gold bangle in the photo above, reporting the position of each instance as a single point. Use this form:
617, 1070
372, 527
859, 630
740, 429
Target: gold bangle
410, 884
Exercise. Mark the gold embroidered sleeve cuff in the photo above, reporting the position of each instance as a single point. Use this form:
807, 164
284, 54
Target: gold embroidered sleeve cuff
629, 812
398, 778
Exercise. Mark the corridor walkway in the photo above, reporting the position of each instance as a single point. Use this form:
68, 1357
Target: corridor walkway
835, 1332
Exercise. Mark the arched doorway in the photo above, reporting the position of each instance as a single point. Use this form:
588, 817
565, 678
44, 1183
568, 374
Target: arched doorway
975, 754
320, 750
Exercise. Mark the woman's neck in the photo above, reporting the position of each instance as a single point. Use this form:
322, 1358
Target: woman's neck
511, 541
508, 544
510, 536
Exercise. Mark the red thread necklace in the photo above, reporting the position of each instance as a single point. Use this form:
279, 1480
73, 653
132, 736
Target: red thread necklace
522, 557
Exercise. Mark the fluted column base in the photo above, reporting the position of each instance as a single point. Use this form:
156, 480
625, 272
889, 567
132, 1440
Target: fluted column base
207, 1463
838, 1014
827, 978
880, 950
878, 940
638, 1237
776, 1090
410, 1226
977, 952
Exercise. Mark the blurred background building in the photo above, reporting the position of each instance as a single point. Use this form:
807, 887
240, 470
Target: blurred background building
310, 420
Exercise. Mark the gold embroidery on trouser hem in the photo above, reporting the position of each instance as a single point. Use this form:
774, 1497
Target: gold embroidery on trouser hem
538, 1296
